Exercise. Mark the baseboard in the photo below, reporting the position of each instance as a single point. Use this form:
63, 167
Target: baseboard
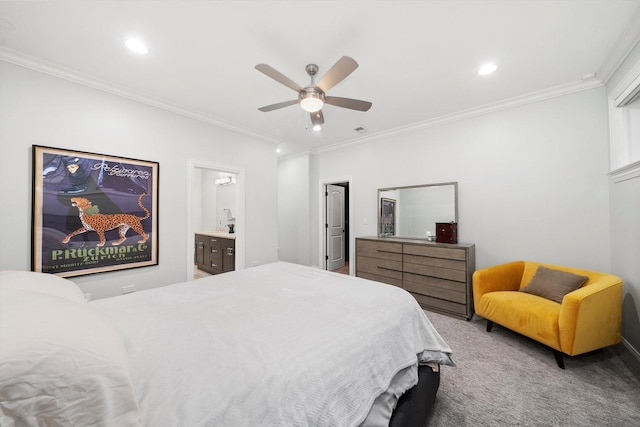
631, 349
634, 352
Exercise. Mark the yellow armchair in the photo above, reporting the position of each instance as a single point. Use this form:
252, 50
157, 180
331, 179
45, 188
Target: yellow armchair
589, 318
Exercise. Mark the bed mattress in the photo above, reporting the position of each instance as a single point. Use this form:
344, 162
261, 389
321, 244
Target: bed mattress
279, 344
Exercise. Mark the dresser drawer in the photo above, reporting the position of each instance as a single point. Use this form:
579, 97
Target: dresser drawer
451, 264
436, 304
380, 250
429, 281
382, 279
435, 252
440, 272
379, 267
438, 288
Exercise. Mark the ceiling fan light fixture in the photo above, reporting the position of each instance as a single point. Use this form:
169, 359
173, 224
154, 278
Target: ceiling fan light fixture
311, 100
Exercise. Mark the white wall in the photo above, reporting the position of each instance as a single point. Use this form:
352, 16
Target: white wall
532, 179
208, 200
625, 231
225, 199
36, 108
625, 251
294, 227
196, 202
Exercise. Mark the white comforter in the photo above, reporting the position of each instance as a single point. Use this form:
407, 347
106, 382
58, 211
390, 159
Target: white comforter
275, 345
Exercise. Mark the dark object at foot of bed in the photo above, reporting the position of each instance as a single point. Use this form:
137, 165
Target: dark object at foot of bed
415, 405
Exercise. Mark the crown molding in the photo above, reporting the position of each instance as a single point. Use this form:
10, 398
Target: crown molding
627, 41
530, 98
625, 173
55, 70
58, 71
292, 156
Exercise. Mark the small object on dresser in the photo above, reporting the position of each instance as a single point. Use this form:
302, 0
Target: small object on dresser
447, 232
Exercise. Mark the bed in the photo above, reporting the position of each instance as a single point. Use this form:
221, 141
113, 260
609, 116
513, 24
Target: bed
279, 344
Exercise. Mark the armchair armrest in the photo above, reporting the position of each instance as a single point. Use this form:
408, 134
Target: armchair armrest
503, 277
591, 317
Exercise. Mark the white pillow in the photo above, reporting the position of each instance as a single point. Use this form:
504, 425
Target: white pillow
41, 282
61, 363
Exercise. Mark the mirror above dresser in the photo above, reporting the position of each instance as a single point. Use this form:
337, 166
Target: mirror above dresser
413, 211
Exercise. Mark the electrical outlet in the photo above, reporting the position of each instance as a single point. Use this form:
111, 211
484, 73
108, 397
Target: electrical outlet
128, 289
87, 296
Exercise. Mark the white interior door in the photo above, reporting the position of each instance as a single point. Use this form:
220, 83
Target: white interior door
335, 227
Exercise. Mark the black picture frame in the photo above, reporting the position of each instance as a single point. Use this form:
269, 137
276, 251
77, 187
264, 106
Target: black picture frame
92, 213
388, 217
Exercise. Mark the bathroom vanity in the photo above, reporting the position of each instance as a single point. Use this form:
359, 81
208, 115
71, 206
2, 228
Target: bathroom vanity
215, 252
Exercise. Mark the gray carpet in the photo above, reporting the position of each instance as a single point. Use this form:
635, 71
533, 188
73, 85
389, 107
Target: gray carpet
504, 379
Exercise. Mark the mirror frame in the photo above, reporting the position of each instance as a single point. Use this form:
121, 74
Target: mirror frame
380, 190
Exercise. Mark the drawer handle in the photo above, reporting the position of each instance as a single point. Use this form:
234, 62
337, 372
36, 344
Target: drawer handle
213, 251
388, 269
230, 251
214, 265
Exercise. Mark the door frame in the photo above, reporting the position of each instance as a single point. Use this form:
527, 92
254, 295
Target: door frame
239, 212
322, 216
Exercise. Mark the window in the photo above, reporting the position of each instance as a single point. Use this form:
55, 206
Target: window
624, 117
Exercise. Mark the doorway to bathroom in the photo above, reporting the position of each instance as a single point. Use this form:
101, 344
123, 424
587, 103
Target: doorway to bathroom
216, 195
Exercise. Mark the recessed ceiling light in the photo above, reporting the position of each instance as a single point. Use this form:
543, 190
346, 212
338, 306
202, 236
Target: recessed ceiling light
317, 127
487, 69
137, 46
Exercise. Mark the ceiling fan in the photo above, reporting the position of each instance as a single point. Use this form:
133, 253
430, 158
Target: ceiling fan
312, 97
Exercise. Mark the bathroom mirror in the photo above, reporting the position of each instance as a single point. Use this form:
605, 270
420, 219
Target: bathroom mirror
413, 211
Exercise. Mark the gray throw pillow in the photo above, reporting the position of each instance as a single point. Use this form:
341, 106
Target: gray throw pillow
553, 284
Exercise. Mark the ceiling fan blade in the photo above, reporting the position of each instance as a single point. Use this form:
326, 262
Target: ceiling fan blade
278, 76
278, 105
317, 118
337, 73
352, 104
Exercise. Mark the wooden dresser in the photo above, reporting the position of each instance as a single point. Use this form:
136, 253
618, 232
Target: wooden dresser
438, 275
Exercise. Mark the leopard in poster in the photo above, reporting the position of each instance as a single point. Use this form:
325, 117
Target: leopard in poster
92, 220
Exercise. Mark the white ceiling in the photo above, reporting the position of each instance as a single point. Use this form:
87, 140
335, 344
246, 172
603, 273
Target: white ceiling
418, 59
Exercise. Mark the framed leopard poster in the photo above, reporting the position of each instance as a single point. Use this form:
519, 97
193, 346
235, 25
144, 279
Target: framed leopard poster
92, 212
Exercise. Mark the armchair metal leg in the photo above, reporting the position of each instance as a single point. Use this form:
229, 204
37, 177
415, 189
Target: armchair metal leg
559, 358
489, 325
